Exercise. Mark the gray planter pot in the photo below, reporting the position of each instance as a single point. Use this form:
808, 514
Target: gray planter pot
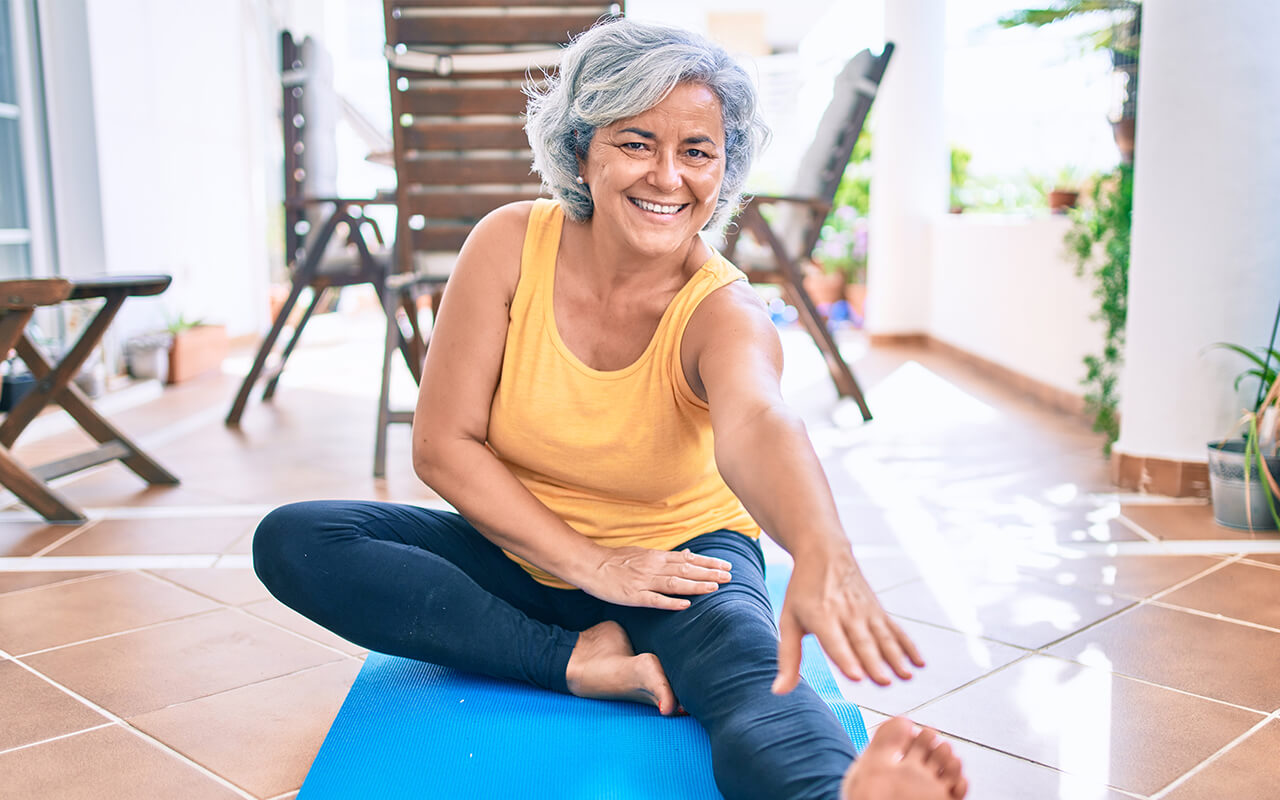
1231, 498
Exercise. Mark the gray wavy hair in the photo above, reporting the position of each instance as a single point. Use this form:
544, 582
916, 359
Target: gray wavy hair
621, 68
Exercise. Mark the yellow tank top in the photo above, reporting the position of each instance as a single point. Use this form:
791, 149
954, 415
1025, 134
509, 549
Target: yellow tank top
623, 456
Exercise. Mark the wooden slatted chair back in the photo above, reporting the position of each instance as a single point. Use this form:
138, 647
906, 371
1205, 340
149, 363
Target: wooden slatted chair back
457, 70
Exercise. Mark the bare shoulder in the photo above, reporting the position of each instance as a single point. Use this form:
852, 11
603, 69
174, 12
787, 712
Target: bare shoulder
732, 313
730, 332
498, 237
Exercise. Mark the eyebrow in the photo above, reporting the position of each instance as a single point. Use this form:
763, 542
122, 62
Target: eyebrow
651, 135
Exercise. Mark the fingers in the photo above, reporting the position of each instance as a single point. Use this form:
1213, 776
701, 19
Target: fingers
891, 648
908, 646
648, 599
789, 649
702, 568
840, 649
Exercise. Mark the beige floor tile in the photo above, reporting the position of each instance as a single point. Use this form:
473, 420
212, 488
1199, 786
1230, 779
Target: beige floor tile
149, 669
1181, 521
951, 660
1027, 614
28, 538
1250, 769
51, 616
1128, 575
275, 611
994, 775
17, 581
1240, 591
235, 587
33, 710
1265, 558
156, 536
288, 717
1216, 658
1090, 723
885, 572
104, 763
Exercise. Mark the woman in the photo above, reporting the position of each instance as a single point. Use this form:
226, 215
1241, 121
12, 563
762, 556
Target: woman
595, 371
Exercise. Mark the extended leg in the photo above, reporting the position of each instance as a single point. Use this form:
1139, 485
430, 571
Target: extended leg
412, 582
721, 655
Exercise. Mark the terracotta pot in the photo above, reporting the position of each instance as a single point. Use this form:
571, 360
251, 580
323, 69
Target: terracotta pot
824, 288
1124, 132
196, 351
855, 294
1062, 199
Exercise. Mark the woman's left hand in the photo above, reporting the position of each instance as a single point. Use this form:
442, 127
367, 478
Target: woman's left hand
829, 598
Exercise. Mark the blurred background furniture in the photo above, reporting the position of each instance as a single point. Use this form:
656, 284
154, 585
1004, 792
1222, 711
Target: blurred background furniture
19, 300
329, 241
784, 241
457, 72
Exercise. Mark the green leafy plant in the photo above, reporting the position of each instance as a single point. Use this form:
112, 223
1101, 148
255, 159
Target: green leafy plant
181, 324
960, 159
1261, 422
1099, 241
842, 242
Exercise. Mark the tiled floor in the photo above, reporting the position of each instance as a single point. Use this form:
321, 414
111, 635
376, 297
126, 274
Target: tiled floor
1080, 644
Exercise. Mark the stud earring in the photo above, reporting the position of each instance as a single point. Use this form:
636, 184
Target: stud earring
580, 180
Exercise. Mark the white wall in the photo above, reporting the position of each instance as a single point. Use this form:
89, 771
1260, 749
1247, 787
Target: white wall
178, 93
1004, 289
1206, 228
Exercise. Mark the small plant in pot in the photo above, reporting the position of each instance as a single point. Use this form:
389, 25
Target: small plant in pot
1244, 473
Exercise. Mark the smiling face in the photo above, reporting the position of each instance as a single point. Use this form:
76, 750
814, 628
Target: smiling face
654, 178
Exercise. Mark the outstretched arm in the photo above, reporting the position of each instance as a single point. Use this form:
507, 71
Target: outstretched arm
733, 359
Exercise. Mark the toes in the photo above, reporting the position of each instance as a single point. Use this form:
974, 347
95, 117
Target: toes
940, 757
960, 789
921, 747
892, 737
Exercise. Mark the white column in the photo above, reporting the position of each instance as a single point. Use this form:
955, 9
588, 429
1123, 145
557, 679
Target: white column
1205, 255
909, 182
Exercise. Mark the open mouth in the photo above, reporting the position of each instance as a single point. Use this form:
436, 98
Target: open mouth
657, 208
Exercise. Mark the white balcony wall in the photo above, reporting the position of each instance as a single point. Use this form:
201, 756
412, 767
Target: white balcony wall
1003, 288
182, 97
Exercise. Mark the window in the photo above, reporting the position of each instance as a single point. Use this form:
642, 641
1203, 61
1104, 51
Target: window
22, 159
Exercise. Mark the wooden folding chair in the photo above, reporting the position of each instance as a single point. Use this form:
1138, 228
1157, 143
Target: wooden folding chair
329, 242
456, 71
788, 241
18, 302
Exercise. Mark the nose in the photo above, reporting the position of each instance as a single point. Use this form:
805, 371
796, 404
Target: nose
665, 173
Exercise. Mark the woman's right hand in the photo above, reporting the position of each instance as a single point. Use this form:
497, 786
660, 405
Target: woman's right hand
640, 576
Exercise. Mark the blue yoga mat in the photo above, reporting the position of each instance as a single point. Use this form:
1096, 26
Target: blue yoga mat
409, 729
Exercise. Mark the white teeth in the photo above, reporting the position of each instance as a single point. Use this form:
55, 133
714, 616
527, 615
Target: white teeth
654, 207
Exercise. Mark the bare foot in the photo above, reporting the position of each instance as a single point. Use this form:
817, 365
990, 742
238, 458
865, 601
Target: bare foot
603, 666
904, 762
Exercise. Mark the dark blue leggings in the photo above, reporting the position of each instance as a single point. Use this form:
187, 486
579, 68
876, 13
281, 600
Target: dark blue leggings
424, 584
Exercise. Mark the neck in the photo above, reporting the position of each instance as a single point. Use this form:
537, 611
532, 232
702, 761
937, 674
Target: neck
611, 263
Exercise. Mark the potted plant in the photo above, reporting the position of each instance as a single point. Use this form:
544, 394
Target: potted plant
1244, 473
1064, 190
840, 257
198, 347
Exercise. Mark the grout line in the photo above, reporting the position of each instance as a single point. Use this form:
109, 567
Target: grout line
1203, 765
287, 795
140, 734
257, 682
1184, 582
113, 635
277, 625
1210, 615
67, 582
1136, 528
64, 539
57, 738
1149, 682
1083, 778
